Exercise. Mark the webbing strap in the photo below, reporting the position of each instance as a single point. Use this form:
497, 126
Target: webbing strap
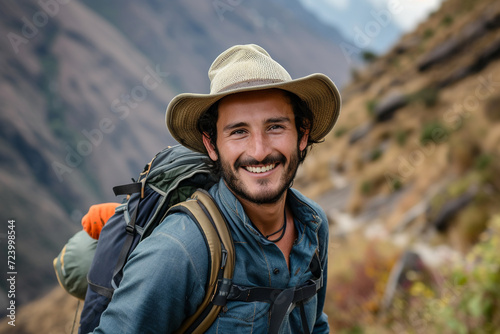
270, 295
127, 244
103, 291
280, 300
303, 317
279, 309
127, 189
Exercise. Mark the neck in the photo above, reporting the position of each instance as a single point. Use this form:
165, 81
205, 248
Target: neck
268, 218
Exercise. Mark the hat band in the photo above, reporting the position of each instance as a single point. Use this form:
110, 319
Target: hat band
250, 83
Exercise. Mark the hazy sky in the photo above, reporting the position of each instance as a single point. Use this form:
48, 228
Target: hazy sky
411, 11
351, 17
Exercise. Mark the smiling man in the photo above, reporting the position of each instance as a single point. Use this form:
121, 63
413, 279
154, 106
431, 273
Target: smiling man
255, 126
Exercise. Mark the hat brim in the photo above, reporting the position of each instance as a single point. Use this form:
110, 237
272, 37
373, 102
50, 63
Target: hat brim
317, 90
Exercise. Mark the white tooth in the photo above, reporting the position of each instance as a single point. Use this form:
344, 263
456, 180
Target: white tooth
260, 169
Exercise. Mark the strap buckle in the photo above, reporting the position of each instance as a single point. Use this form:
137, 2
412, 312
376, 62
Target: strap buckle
224, 286
129, 229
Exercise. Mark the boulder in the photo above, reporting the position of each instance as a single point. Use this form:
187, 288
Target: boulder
389, 105
360, 132
448, 211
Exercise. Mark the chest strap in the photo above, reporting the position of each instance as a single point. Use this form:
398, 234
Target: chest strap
280, 299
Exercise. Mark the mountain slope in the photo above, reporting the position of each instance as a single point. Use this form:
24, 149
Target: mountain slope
184, 37
416, 148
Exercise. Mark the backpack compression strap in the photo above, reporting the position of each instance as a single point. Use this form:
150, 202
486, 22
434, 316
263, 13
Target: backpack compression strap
126, 189
206, 214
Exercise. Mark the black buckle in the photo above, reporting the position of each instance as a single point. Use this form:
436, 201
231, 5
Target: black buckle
129, 229
237, 292
223, 288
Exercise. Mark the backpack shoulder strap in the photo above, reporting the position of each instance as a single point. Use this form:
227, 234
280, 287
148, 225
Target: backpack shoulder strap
202, 208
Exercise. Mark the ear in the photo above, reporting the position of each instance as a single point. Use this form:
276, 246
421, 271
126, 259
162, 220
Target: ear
212, 153
303, 140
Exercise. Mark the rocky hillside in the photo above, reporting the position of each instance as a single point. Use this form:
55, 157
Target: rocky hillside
415, 155
84, 87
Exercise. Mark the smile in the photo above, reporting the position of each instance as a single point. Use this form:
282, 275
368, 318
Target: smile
262, 169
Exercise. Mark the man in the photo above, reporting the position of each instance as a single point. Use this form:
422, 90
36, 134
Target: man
256, 126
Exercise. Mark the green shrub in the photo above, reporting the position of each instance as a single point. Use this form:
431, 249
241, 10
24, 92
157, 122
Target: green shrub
368, 56
401, 137
340, 132
434, 132
483, 161
473, 305
370, 106
428, 33
447, 20
366, 187
428, 96
376, 154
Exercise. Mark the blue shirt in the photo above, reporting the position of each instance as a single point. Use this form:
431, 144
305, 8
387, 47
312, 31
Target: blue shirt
165, 277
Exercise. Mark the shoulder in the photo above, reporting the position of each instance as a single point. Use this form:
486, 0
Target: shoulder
177, 238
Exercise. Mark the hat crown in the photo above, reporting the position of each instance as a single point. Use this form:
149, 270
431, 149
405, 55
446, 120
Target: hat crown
244, 66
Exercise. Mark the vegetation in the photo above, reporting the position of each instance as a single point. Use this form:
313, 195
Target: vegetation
428, 33
428, 96
447, 20
434, 132
401, 137
463, 298
368, 56
340, 132
370, 106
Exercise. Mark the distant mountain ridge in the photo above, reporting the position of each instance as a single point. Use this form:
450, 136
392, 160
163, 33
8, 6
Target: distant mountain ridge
216, 25
84, 86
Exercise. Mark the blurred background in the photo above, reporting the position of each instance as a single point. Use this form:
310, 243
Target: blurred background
409, 176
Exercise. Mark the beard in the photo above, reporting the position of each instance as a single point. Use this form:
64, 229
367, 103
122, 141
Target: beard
268, 195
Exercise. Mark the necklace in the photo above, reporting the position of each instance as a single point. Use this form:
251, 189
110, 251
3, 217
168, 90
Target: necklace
282, 230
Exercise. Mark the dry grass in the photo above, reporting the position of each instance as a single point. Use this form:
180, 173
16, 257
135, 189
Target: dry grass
357, 275
52, 314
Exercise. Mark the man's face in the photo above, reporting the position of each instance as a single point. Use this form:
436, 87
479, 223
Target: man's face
257, 144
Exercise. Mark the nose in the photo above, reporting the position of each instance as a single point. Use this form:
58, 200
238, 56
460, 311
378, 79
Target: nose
259, 147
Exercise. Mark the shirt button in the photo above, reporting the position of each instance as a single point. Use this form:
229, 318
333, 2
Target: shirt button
276, 271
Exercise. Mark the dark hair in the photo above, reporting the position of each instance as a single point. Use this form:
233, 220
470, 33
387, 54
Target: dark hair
207, 124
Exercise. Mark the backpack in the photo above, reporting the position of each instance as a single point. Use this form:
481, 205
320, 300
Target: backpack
174, 180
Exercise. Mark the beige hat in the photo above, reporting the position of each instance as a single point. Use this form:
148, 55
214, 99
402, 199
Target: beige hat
247, 68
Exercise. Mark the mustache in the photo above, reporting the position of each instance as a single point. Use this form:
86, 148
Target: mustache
270, 159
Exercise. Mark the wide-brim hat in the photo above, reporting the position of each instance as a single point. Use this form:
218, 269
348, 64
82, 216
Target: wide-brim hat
244, 68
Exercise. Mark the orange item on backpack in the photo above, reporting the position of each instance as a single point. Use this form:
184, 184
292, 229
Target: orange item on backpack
98, 215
